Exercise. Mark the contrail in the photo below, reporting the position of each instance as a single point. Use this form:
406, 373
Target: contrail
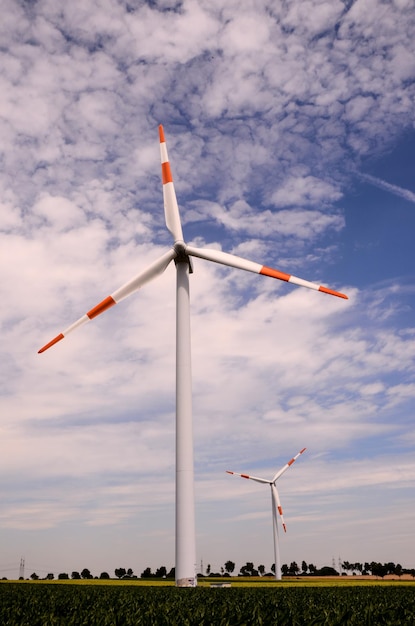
398, 191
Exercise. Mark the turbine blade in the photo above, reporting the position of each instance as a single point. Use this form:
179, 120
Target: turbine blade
224, 258
279, 507
171, 209
258, 480
287, 465
133, 285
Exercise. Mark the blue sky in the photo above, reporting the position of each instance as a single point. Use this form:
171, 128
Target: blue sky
290, 130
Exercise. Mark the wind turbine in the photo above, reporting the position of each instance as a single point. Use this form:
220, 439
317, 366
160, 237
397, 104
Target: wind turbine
182, 253
276, 506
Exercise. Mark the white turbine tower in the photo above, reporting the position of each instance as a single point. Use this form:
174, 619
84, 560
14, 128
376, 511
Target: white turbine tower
276, 506
182, 253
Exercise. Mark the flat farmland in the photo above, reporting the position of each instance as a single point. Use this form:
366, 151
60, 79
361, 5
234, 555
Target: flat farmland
246, 603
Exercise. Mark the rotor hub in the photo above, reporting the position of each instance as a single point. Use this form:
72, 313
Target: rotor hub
182, 256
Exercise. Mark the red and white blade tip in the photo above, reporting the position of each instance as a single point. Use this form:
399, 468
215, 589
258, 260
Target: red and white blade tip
105, 304
296, 456
236, 474
171, 208
290, 278
51, 343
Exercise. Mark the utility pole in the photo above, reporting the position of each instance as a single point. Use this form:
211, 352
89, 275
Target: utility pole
21, 569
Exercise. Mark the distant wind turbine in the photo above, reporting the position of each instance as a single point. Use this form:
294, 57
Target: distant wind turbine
182, 253
276, 506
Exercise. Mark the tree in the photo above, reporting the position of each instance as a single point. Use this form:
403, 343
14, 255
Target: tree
229, 567
161, 572
358, 567
147, 573
208, 569
327, 571
34, 576
86, 573
261, 569
378, 569
49, 576
104, 575
120, 572
76, 576
312, 568
172, 573
304, 567
248, 569
294, 569
63, 576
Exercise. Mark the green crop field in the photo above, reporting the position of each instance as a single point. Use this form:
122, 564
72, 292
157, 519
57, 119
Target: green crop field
85, 604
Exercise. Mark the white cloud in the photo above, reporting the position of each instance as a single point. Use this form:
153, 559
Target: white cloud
406, 194
316, 17
303, 191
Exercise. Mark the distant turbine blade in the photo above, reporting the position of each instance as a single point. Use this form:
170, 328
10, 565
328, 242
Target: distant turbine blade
133, 285
171, 208
258, 480
287, 465
278, 504
224, 258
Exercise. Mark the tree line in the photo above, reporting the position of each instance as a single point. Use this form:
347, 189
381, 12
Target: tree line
228, 569
121, 573
309, 569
